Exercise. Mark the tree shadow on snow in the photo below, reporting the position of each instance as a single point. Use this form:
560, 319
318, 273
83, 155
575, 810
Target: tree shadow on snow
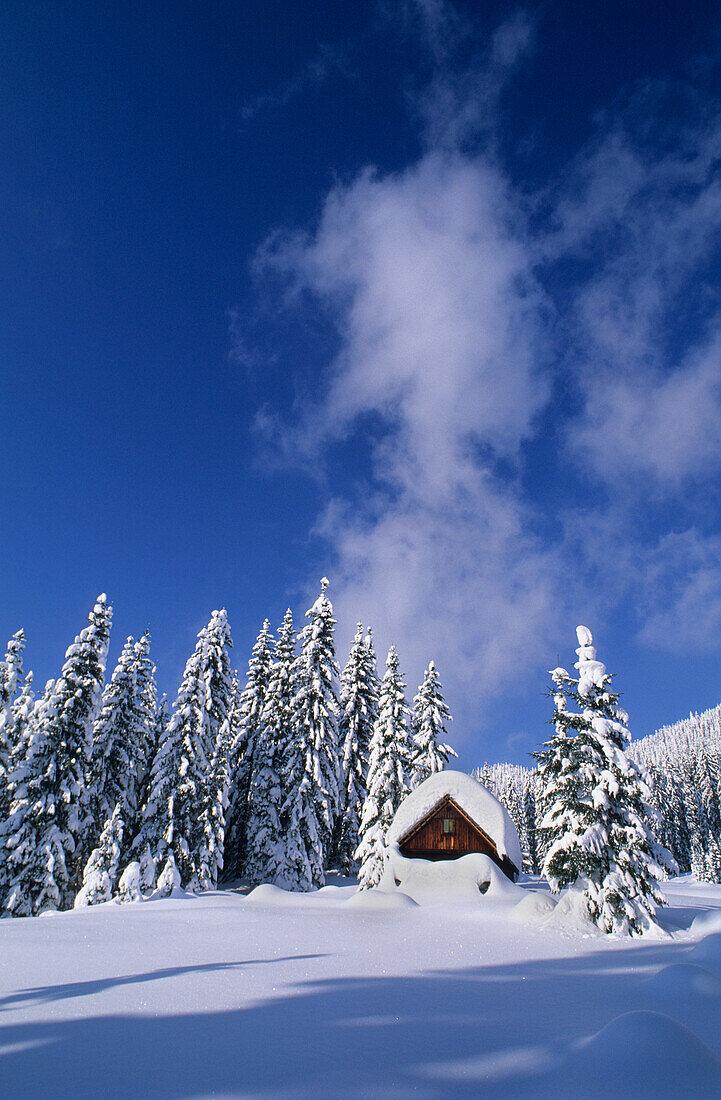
505, 1031
100, 985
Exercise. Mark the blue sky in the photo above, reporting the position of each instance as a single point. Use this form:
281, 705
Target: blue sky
424, 297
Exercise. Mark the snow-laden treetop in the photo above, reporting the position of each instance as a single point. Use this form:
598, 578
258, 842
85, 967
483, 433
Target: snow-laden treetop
475, 801
591, 673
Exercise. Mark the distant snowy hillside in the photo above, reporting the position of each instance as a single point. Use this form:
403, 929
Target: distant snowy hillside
696, 734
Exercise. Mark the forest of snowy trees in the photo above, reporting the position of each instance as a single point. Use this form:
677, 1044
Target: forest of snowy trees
107, 792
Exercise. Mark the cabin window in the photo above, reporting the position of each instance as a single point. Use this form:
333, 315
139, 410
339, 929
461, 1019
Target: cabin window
449, 826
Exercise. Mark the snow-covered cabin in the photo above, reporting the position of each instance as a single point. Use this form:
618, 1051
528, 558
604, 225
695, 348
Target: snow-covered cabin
450, 815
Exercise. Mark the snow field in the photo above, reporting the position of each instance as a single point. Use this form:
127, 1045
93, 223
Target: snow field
333, 994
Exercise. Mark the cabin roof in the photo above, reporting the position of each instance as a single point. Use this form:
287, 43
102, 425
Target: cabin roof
472, 798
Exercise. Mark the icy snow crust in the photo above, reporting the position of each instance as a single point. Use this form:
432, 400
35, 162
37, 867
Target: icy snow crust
473, 799
346, 994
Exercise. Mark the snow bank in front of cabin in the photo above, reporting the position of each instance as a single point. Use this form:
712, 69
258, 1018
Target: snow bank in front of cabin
465, 881
381, 900
473, 798
276, 896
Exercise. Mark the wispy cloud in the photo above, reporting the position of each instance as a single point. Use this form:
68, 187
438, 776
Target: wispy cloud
328, 60
650, 206
682, 582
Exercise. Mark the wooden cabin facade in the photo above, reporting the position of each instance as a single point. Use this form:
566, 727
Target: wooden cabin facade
447, 832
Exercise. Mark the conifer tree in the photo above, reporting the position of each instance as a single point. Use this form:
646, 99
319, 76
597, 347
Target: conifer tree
387, 773
528, 810
358, 713
124, 736
597, 803
129, 886
154, 824
22, 711
312, 767
708, 784
428, 725
711, 869
177, 818
101, 871
215, 805
50, 813
11, 670
265, 847
246, 725
169, 878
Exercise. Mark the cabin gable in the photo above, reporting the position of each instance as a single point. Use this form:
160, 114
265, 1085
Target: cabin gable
447, 832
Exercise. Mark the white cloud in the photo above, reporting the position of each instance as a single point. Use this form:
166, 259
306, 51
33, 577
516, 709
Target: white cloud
442, 339
652, 402
438, 311
665, 426
462, 583
682, 580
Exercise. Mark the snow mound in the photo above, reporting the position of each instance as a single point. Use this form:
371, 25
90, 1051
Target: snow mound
472, 797
570, 914
685, 980
708, 952
534, 908
469, 880
380, 900
706, 923
267, 894
619, 1056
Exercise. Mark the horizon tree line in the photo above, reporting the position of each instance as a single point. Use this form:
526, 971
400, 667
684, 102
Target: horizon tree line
106, 793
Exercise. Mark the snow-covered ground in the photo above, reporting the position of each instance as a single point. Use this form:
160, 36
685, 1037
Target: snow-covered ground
336, 995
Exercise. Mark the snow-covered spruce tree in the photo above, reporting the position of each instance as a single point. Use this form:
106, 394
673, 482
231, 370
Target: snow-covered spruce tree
358, 713
711, 869
312, 765
429, 717
11, 670
387, 773
50, 813
154, 823
708, 785
197, 823
242, 750
22, 711
123, 752
265, 854
177, 818
101, 871
124, 736
528, 832
597, 803
215, 805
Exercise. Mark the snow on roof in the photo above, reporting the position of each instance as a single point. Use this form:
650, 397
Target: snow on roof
475, 801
